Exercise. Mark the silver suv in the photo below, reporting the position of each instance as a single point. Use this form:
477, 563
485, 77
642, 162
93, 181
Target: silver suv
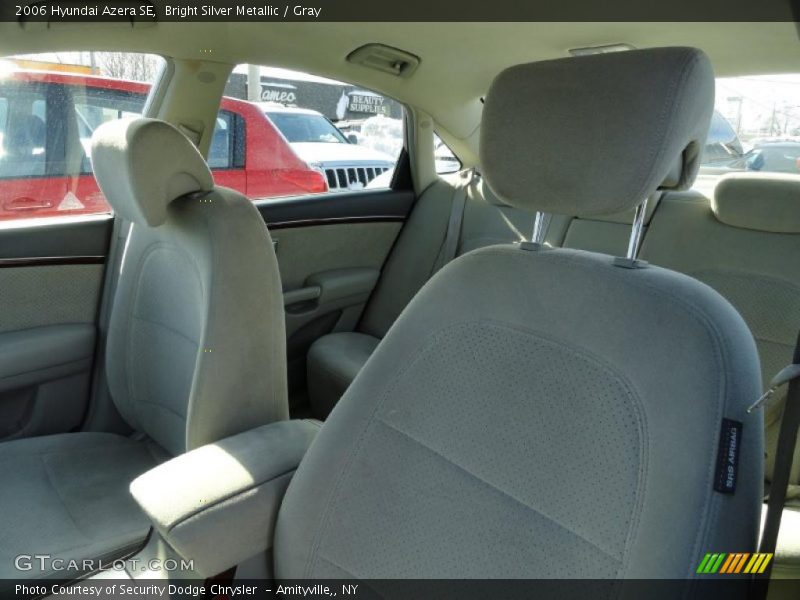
347, 165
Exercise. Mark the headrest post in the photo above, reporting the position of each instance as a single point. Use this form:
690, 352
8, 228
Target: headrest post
636, 231
541, 223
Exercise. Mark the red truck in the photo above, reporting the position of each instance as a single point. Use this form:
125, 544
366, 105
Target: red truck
47, 120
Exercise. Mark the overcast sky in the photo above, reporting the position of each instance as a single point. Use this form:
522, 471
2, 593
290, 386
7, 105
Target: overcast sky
760, 96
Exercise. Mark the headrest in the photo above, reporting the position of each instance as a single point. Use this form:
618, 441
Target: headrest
142, 165
760, 201
593, 135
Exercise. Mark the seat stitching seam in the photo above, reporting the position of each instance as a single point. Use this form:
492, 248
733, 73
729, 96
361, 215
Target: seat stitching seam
168, 328
222, 500
360, 440
49, 475
497, 489
163, 407
354, 450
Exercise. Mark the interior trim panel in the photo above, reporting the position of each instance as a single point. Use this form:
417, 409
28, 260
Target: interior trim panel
48, 261
76, 239
349, 207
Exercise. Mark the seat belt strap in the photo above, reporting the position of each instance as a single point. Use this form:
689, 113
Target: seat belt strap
787, 441
453, 234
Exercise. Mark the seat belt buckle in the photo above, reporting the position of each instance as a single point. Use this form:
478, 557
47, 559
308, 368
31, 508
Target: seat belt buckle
785, 375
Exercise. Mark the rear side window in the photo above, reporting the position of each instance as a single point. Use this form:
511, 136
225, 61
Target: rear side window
50, 105
755, 127
446, 161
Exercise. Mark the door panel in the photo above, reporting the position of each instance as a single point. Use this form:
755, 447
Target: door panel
50, 282
330, 250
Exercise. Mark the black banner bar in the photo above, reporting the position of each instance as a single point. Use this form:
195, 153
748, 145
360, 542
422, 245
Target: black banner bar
109, 588
188, 11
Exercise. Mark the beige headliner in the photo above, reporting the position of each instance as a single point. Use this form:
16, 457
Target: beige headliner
459, 60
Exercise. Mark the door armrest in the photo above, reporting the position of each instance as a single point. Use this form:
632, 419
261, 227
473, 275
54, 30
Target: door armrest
217, 505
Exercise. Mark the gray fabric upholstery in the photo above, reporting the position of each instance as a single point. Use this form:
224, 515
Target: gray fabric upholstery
467, 444
529, 161
334, 360
486, 221
196, 344
752, 269
67, 496
517, 380
760, 201
217, 505
195, 349
144, 164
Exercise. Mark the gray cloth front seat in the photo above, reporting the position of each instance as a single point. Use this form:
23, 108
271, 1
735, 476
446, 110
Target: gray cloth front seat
548, 413
195, 353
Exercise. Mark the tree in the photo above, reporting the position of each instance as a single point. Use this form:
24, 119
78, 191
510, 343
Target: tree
125, 65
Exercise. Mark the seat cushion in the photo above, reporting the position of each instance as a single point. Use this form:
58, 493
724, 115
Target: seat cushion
67, 496
334, 361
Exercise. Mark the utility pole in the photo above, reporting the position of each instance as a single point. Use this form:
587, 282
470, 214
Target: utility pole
254, 83
738, 100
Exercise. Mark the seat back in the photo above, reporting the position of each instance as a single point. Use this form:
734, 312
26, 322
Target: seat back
486, 221
744, 244
196, 344
541, 413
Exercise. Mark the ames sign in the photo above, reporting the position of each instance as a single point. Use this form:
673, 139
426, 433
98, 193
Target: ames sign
279, 96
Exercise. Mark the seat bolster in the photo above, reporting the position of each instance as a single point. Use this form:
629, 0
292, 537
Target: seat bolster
66, 496
334, 361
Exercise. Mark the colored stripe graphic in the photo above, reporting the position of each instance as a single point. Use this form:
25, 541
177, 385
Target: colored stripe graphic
734, 563
740, 563
703, 563
727, 564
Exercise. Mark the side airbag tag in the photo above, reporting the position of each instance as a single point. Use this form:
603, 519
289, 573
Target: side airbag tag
730, 439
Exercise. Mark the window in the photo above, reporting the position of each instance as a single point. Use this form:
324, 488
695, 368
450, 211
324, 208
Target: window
755, 127
306, 134
95, 106
25, 132
446, 161
304, 126
50, 105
